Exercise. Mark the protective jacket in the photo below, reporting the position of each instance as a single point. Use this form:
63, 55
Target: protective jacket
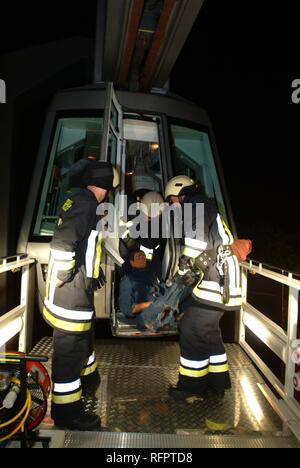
209, 289
75, 253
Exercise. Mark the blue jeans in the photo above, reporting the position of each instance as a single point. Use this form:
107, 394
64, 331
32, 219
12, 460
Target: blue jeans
154, 315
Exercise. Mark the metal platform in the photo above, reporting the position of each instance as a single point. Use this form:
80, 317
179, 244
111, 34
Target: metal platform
136, 410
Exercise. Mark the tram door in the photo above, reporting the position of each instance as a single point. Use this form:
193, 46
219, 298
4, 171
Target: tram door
111, 150
133, 146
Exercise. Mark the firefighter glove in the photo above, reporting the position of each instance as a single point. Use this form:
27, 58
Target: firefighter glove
101, 280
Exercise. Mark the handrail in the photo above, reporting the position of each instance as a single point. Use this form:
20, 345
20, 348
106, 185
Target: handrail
282, 342
280, 278
16, 320
10, 266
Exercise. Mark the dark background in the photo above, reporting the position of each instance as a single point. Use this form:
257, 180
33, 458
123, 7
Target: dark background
238, 62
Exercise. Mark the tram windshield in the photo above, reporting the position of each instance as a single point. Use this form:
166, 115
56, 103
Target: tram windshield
74, 139
193, 156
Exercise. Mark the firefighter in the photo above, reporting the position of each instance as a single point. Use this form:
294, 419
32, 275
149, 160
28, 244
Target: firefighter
74, 273
216, 288
153, 245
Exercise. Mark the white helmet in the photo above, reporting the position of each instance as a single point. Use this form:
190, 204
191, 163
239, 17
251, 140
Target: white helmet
152, 204
175, 185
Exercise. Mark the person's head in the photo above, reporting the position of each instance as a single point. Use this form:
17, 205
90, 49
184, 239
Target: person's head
138, 259
97, 176
174, 191
152, 204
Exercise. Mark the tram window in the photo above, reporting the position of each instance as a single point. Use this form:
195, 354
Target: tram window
143, 167
74, 139
114, 117
193, 156
112, 148
143, 171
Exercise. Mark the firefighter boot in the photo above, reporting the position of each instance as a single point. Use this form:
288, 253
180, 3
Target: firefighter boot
178, 394
85, 422
90, 384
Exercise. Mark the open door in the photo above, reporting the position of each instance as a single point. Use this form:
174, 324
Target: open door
111, 150
142, 172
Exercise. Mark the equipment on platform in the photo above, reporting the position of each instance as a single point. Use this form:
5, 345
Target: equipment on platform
24, 390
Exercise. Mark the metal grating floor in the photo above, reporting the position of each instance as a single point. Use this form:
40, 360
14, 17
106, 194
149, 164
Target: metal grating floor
133, 401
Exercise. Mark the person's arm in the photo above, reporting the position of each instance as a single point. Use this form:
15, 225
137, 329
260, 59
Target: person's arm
137, 308
73, 225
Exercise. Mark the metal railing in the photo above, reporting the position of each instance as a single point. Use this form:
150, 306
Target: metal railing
282, 342
16, 321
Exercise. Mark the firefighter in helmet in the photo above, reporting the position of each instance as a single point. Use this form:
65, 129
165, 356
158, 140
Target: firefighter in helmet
151, 207
74, 273
203, 361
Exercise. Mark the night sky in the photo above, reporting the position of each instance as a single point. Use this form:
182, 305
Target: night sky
238, 62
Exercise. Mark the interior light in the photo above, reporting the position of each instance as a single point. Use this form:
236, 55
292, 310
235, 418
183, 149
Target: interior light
154, 146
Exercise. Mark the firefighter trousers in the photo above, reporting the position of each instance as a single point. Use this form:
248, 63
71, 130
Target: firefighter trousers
203, 361
73, 367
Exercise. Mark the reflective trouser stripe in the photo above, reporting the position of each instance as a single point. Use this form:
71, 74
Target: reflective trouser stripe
64, 324
90, 367
194, 364
218, 359
215, 364
66, 387
216, 369
193, 373
64, 393
65, 399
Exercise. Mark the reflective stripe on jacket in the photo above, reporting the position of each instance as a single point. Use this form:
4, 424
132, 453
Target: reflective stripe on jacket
75, 254
216, 232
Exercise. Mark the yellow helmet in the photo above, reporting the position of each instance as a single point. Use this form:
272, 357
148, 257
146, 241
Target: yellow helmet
175, 185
